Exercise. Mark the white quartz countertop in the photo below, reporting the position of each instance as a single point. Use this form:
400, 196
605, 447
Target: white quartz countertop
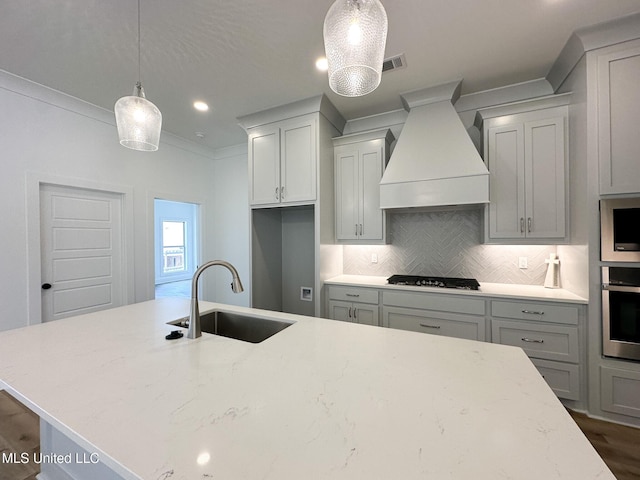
497, 290
320, 400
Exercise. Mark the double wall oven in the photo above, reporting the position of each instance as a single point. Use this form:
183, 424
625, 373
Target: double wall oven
620, 243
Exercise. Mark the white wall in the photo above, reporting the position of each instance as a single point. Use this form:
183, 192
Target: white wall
48, 135
227, 237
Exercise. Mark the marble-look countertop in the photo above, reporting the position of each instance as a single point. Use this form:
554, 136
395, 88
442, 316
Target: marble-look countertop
497, 290
320, 400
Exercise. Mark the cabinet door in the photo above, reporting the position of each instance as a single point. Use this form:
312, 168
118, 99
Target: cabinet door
544, 178
618, 120
506, 181
298, 161
339, 310
264, 165
346, 171
370, 173
365, 314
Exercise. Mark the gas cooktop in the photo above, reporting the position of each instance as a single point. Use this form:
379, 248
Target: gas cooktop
441, 282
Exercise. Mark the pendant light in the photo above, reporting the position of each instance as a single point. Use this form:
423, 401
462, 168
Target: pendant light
138, 120
355, 34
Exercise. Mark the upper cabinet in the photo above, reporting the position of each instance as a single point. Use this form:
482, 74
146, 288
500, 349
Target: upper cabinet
618, 92
526, 154
282, 162
360, 160
287, 150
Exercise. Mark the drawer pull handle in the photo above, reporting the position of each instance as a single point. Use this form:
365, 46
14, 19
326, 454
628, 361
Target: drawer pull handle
430, 326
531, 340
352, 294
531, 312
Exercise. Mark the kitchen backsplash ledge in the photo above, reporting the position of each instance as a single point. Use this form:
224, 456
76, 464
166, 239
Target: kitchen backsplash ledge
447, 243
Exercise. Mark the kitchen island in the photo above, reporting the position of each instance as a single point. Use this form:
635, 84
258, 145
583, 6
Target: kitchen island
321, 399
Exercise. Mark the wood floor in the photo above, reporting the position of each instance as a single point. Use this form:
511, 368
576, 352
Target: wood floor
19, 433
618, 445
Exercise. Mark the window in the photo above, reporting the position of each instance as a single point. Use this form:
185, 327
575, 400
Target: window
173, 247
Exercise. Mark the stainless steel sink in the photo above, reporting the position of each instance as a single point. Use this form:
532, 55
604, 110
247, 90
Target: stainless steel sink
234, 325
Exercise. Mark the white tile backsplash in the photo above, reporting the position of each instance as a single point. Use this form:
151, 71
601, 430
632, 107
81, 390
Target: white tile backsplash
447, 243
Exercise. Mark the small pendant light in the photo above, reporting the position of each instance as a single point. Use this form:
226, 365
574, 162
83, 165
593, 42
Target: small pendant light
355, 35
138, 120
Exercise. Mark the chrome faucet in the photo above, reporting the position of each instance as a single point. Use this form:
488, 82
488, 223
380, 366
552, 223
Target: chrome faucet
194, 316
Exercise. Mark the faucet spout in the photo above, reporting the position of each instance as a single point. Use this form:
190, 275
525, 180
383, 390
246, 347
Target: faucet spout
194, 314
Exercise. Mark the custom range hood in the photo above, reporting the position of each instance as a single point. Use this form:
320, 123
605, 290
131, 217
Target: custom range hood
434, 162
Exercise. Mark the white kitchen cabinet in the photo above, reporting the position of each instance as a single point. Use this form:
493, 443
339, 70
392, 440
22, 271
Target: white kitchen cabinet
549, 334
526, 154
282, 162
360, 160
618, 94
447, 315
619, 391
358, 305
291, 196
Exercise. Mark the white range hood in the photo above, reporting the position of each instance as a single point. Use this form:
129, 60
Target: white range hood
434, 162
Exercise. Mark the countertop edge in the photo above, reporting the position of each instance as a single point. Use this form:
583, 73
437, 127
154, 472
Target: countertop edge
487, 290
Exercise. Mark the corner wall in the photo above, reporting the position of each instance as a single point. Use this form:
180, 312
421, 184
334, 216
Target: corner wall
47, 134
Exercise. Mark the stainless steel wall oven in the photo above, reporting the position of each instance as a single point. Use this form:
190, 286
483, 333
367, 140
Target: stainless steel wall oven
621, 312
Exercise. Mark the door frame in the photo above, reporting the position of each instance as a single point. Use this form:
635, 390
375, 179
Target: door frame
152, 196
34, 181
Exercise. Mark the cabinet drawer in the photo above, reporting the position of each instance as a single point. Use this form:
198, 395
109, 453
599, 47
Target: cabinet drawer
350, 294
436, 323
447, 303
541, 312
620, 391
563, 378
551, 342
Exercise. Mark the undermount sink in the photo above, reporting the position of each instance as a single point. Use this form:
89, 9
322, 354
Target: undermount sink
234, 325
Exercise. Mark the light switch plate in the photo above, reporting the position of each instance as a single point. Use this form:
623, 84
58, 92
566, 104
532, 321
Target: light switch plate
522, 262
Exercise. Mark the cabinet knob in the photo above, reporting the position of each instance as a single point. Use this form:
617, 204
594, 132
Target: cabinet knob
46, 286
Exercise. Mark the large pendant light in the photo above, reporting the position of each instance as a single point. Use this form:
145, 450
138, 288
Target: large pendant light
138, 120
355, 34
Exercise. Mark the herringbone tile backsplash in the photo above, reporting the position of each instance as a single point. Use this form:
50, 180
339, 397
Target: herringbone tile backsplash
447, 243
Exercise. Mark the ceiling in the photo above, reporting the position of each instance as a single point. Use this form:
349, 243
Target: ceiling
244, 56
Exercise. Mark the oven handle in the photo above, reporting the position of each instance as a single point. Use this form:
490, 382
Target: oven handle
618, 288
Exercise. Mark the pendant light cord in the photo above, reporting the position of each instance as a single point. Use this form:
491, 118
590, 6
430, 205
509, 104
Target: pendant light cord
139, 61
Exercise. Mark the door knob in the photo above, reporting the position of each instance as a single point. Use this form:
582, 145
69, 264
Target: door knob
46, 286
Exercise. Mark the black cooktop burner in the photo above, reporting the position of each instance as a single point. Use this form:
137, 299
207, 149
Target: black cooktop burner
442, 282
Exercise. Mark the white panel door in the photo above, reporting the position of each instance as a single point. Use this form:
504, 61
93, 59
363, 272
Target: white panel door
298, 161
369, 192
346, 171
82, 251
506, 181
544, 176
264, 165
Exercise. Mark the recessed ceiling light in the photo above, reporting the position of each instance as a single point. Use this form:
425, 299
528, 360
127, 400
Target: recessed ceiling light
201, 106
322, 64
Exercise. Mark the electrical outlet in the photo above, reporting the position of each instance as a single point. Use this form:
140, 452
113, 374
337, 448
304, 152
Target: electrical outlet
374, 258
522, 262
